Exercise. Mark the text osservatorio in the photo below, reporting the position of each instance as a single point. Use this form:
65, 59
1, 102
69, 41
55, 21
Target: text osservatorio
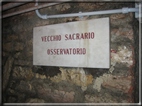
67, 37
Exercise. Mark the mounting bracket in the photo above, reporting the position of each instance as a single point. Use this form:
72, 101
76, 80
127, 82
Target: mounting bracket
138, 14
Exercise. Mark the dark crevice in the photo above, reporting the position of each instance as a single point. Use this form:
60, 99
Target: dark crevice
135, 25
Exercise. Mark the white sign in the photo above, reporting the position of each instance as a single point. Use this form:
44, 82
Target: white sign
74, 44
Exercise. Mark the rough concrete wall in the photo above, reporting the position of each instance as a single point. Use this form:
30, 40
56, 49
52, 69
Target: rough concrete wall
25, 83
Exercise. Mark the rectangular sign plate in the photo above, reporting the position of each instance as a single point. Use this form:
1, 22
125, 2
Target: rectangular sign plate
74, 44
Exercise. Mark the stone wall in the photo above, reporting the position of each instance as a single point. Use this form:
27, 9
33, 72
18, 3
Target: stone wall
25, 83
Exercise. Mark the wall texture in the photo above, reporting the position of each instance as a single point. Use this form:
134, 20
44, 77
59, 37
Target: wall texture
25, 83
